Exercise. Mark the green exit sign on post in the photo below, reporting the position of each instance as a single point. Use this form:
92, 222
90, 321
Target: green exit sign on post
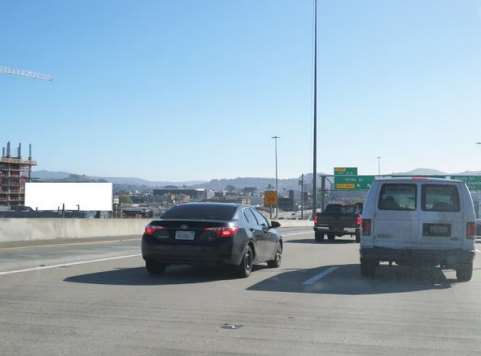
353, 182
345, 171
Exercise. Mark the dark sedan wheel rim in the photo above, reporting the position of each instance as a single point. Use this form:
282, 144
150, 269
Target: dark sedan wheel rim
278, 255
248, 260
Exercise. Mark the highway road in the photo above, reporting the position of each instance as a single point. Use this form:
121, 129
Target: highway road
95, 298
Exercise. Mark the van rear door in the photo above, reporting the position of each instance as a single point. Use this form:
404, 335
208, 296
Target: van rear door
395, 215
441, 223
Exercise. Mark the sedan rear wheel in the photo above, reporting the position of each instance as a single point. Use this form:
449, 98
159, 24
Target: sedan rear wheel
245, 267
154, 267
276, 262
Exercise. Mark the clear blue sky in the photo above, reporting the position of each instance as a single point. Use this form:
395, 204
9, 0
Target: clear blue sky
191, 89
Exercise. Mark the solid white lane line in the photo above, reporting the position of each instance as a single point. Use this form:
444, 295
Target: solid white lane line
102, 242
319, 276
39, 268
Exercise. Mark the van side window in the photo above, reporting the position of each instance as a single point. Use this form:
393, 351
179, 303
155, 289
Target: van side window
398, 197
440, 198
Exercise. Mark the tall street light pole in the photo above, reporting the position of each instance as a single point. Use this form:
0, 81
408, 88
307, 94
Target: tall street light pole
314, 146
378, 165
277, 176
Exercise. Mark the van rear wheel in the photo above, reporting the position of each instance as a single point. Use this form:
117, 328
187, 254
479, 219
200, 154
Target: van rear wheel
331, 237
464, 272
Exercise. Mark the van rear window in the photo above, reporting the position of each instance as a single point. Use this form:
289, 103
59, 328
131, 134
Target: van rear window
398, 197
440, 198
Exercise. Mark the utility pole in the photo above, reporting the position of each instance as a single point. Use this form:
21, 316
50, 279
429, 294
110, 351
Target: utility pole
277, 176
314, 148
379, 165
301, 182
323, 192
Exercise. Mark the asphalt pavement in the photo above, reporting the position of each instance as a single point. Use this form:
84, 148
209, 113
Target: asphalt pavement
95, 298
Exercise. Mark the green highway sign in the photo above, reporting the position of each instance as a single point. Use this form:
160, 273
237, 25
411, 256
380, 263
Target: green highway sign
345, 171
353, 182
473, 182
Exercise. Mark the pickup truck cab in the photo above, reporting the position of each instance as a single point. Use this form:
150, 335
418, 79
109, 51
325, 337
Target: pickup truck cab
338, 220
418, 222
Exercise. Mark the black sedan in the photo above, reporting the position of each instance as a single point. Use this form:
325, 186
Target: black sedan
212, 234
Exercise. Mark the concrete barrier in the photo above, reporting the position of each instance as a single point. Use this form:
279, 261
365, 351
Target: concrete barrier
13, 230
51, 229
295, 223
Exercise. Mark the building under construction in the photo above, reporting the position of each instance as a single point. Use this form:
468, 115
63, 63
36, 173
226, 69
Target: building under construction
14, 172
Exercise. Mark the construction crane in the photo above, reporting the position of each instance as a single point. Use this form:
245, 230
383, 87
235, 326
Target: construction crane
24, 73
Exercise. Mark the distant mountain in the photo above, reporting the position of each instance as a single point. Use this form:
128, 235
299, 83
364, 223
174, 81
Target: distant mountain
49, 175
144, 185
435, 172
469, 173
44, 175
148, 183
422, 172
242, 182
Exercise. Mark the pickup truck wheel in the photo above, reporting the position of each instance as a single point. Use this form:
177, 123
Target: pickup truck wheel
464, 272
331, 237
368, 267
358, 236
319, 236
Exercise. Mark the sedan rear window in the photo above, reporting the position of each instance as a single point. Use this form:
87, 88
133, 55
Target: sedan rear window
201, 212
440, 198
398, 197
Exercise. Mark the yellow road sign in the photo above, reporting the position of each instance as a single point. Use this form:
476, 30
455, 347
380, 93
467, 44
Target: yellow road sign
270, 198
345, 186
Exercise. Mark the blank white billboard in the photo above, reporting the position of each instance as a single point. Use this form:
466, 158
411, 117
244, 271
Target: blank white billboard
83, 196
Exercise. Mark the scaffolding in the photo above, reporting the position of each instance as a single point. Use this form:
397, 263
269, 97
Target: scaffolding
14, 173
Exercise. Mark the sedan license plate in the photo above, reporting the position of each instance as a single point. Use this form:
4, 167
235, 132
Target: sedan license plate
185, 235
443, 230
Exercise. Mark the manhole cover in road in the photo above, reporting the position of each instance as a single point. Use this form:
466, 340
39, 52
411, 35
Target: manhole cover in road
229, 326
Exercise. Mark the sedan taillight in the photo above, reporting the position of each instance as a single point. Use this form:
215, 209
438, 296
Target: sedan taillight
151, 230
223, 232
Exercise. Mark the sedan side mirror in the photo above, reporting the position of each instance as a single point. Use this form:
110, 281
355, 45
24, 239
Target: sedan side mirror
275, 224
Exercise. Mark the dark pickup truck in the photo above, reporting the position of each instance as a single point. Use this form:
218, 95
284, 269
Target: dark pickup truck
338, 220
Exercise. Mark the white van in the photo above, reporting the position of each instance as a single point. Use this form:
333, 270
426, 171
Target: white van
419, 222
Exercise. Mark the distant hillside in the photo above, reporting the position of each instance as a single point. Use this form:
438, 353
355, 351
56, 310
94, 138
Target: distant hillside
45, 175
148, 183
435, 172
422, 172
49, 175
144, 185
242, 182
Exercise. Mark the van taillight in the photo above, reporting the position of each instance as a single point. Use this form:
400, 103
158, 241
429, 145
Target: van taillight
471, 230
315, 219
366, 227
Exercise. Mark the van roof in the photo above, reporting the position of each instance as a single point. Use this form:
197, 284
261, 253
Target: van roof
417, 179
